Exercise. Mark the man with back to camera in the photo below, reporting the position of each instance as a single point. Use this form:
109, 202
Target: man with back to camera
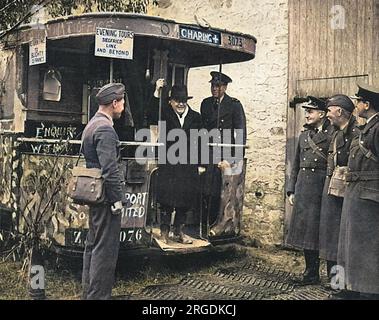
101, 149
306, 184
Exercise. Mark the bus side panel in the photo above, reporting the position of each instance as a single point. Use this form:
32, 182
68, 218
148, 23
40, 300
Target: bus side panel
43, 197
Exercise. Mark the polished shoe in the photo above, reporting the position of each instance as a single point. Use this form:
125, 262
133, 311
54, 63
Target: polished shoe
308, 279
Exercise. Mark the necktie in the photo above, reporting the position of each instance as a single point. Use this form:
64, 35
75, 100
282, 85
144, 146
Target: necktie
215, 104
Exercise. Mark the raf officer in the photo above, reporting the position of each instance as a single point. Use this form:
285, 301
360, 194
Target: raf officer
101, 149
358, 247
340, 113
220, 112
306, 184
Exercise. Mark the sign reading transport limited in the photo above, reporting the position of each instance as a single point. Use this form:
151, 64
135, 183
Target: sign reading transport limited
114, 43
199, 35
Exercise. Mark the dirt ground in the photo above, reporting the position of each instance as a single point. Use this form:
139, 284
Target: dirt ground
134, 272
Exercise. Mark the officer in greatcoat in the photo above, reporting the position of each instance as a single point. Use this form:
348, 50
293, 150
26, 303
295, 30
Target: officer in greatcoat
101, 149
306, 184
222, 113
340, 113
358, 248
178, 184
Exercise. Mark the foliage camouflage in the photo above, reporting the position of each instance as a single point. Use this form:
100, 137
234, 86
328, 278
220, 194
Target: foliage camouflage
12, 11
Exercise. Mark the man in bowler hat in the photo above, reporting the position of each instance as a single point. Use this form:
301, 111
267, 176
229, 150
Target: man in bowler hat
177, 183
306, 184
101, 149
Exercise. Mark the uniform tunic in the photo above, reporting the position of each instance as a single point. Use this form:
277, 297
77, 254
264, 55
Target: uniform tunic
332, 206
230, 116
101, 149
307, 182
358, 247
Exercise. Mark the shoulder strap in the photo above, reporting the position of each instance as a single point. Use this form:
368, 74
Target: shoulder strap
315, 148
366, 152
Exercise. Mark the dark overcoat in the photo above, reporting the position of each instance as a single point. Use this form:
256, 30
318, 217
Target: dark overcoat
178, 184
307, 182
358, 247
230, 116
331, 206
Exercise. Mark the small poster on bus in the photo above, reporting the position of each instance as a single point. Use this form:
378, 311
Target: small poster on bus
113, 43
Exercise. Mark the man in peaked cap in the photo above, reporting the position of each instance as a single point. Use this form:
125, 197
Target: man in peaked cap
306, 184
340, 113
101, 149
358, 246
220, 112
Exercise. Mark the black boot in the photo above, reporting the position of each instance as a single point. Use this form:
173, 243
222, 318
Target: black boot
312, 264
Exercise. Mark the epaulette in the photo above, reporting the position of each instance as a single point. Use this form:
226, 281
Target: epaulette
235, 100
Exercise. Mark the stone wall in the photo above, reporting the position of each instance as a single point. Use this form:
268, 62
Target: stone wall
261, 86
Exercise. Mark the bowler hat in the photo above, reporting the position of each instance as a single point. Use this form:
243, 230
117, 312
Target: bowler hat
220, 78
110, 92
342, 101
315, 103
179, 93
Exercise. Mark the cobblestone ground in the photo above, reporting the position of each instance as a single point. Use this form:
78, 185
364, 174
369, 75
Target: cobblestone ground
250, 275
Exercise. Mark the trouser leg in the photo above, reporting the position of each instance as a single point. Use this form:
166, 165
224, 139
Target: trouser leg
329, 266
101, 253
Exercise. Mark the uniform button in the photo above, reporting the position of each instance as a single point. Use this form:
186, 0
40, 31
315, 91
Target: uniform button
304, 159
305, 140
362, 142
303, 169
316, 160
320, 149
313, 170
339, 152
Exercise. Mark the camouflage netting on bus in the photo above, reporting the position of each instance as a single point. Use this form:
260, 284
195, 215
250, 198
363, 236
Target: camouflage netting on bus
43, 197
9, 162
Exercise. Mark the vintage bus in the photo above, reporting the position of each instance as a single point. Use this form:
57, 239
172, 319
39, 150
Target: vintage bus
50, 73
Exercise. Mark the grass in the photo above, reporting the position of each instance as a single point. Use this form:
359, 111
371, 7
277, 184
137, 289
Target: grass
63, 275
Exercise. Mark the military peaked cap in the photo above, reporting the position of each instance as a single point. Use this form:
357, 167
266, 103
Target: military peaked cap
220, 78
315, 103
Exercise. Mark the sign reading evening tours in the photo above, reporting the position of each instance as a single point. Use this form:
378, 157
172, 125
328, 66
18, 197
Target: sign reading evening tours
37, 51
113, 43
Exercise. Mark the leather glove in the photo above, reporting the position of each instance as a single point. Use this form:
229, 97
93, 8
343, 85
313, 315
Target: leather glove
116, 208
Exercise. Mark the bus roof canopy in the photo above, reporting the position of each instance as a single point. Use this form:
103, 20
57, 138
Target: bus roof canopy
189, 44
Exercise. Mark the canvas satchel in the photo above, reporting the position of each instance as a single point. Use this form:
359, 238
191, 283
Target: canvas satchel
337, 185
86, 186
